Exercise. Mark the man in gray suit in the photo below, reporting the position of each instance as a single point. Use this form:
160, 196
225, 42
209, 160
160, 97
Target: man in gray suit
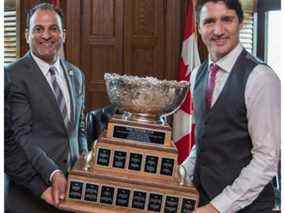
47, 103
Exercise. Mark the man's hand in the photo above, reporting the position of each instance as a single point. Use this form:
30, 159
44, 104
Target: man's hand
58, 188
47, 196
209, 208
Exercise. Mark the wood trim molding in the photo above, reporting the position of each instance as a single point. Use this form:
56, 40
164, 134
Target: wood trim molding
174, 29
25, 6
72, 27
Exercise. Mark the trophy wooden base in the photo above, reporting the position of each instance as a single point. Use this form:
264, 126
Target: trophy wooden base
106, 192
129, 170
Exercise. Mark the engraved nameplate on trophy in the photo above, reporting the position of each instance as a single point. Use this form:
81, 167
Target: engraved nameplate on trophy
188, 205
139, 199
122, 198
103, 157
171, 204
167, 166
119, 159
135, 161
107, 194
137, 134
154, 203
75, 190
91, 192
151, 164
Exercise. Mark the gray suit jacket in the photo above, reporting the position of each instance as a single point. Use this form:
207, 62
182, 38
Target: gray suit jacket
17, 167
37, 121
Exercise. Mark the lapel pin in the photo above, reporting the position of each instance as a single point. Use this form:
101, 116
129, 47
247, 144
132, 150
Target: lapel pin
71, 72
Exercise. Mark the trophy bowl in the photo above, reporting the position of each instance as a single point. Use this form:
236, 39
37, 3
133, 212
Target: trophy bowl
145, 99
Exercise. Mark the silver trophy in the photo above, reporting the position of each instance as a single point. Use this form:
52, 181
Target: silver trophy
145, 99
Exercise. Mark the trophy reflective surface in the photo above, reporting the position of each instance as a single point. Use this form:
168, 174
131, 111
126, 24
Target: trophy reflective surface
132, 166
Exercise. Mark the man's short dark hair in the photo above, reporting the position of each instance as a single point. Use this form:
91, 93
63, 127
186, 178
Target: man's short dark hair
231, 4
45, 6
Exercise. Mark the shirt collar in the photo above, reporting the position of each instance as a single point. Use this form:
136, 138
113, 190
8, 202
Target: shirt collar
44, 66
227, 62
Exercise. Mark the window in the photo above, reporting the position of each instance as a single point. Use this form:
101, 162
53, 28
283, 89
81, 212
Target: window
11, 42
273, 41
247, 32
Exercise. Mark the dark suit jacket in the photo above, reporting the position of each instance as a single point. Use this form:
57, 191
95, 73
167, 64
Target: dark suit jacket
17, 166
37, 121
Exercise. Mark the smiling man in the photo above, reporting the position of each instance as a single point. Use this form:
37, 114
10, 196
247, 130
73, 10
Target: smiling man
46, 102
237, 115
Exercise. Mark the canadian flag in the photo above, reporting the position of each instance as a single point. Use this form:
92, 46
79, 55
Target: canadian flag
183, 125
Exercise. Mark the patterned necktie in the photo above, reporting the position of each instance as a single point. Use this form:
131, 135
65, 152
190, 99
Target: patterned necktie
211, 85
59, 96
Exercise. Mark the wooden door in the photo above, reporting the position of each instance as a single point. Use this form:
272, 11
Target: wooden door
121, 36
101, 46
135, 37
144, 38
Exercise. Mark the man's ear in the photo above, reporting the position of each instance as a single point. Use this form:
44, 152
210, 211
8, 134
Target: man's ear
240, 25
198, 29
27, 35
63, 35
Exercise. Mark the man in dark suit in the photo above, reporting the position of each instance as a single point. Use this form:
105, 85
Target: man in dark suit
47, 102
17, 167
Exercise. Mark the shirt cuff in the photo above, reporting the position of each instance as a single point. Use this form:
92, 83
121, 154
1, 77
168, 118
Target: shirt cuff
224, 204
53, 173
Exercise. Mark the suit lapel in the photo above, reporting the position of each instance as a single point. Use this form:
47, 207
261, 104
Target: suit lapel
68, 73
42, 83
41, 80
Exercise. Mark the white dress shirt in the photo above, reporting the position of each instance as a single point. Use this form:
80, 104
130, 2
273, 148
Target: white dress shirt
59, 74
263, 103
